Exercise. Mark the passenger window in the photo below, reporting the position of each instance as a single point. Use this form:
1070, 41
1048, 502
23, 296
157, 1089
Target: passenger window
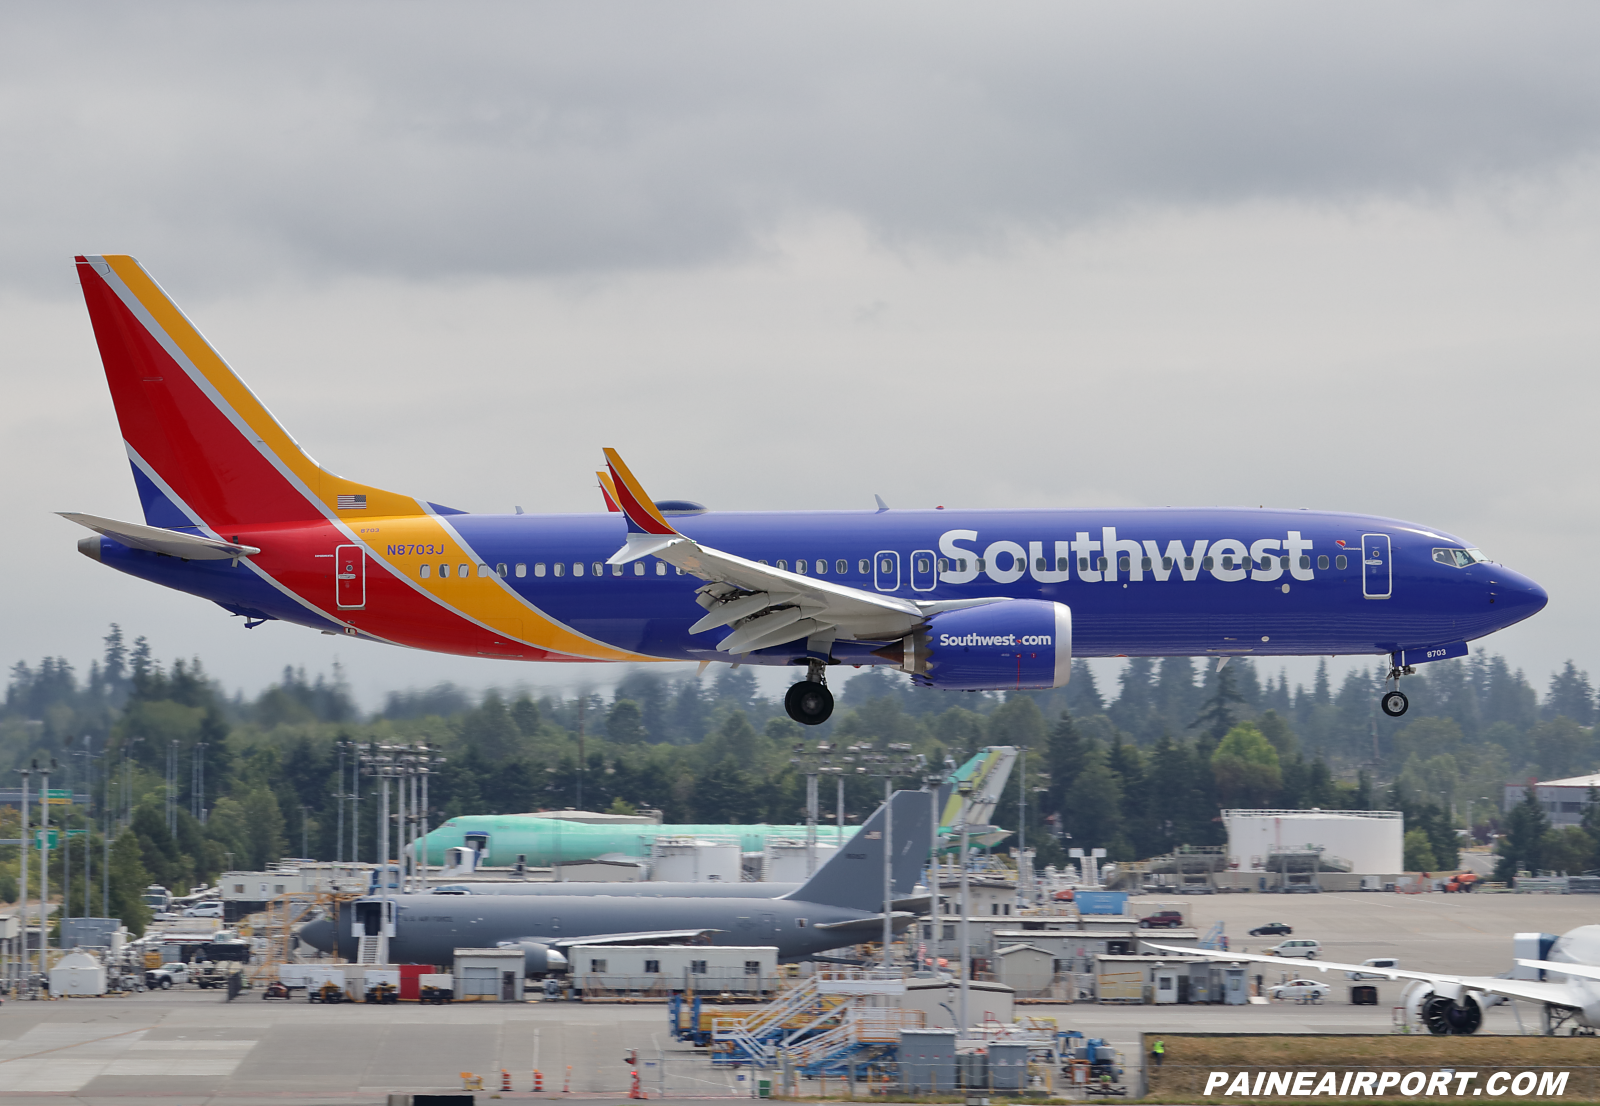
886, 565
424, 571
1322, 562
841, 566
783, 566
1102, 565
1061, 564
1209, 562
561, 568
864, 567
1123, 564
638, 568
1283, 562
483, 570
923, 565
522, 570
1039, 564
1083, 564
680, 572
822, 568
577, 568
500, 570
463, 571
801, 567
538, 568
982, 564
1340, 561
616, 570
1144, 563
963, 563
444, 572
761, 562
661, 568
1166, 564
944, 565
1227, 563
1188, 564
597, 567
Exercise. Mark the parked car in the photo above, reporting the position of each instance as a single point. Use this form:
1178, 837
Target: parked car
1301, 990
1273, 929
204, 910
166, 976
164, 916
1162, 919
1375, 962
1297, 947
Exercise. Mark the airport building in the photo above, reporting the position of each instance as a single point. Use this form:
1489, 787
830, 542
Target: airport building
1563, 800
1351, 842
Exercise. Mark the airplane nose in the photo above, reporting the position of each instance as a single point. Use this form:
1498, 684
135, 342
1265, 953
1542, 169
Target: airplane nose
1516, 595
319, 934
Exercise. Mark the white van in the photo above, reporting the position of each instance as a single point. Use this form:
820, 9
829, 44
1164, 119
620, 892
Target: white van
1297, 947
1375, 962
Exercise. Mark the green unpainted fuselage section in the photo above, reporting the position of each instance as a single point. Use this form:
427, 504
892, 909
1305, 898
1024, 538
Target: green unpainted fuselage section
546, 841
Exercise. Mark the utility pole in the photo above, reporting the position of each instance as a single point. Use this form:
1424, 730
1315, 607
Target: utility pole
338, 836
966, 924
44, 859
934, 781
25, 773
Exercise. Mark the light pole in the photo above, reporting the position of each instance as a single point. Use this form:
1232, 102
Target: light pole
935, 781
44, 858
815, 762
25, 773
964, 787
896, 760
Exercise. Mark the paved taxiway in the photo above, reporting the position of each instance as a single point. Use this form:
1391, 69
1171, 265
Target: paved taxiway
192, 1047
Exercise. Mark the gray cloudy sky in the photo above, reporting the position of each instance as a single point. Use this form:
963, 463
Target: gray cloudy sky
788, 256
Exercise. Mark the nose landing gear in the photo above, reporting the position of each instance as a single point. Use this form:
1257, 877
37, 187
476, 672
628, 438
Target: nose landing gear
809, 702
1395, 703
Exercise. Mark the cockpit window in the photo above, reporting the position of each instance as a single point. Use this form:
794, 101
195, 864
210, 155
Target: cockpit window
1458, 558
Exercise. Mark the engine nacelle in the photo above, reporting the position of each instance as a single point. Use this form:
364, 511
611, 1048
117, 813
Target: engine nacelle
538, 957
1020, 643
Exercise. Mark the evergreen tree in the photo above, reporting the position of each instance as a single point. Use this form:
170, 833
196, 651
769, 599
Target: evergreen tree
1521, 846
1571, 696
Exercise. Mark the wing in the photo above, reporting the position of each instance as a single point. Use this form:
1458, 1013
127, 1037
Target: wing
764, 606
642, 937
1555, 994
154, 539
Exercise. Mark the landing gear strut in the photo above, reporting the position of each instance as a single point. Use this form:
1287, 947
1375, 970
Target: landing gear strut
809, 702
1395, 703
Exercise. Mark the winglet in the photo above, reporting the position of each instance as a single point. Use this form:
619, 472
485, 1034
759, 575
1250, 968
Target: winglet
643, 518
608, 492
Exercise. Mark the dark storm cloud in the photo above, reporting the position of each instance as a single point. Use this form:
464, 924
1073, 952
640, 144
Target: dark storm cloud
421, 141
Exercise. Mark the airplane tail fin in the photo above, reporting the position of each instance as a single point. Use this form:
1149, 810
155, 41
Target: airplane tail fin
984, 777
205, 452
853, 876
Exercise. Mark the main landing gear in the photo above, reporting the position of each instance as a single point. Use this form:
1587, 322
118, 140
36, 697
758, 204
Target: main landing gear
809, 702
1395, 703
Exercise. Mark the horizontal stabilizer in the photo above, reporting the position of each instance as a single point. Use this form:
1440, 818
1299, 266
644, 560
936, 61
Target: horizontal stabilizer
154, 539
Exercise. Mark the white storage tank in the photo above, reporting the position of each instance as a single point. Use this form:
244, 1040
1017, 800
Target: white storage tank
786, 861
78, 973
1358, 841
695, 860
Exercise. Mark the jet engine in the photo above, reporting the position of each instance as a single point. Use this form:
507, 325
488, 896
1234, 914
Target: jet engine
1443, 1015
1021, 643
539, 958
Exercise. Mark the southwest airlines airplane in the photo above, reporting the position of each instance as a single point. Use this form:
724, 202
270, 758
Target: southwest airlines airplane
236, 512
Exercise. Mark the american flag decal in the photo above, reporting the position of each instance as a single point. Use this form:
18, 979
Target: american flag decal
352, 503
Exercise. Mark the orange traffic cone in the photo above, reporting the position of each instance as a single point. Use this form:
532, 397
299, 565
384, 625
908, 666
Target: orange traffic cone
636, 1091
538, 1081
505, 1080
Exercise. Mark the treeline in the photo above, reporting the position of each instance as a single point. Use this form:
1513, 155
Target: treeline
257, 778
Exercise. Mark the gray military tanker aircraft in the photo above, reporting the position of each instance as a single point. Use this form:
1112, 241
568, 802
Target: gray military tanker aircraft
840, 905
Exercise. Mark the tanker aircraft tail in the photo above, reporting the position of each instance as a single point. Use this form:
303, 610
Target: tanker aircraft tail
853, 876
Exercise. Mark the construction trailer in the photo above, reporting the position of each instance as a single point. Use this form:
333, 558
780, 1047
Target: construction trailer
489, 975
600, 971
